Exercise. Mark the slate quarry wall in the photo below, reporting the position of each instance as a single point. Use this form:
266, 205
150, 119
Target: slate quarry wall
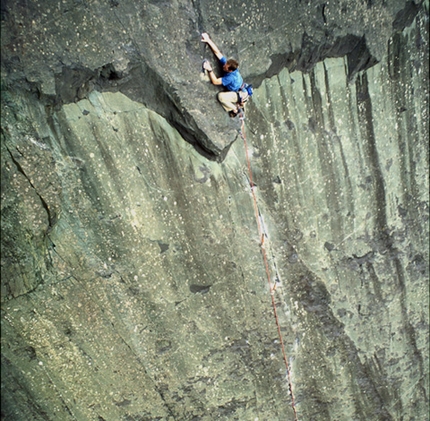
133, 285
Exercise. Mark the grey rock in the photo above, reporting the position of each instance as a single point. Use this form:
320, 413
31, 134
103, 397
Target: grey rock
133, 279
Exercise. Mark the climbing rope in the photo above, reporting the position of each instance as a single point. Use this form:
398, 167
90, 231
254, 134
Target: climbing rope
262, 235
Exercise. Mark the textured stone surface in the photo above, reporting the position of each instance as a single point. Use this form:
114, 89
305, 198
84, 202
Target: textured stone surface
133, 285
152, 51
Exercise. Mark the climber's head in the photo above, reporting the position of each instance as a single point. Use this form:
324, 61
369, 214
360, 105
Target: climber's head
231, 65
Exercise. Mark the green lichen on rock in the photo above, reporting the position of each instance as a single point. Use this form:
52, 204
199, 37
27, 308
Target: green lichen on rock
133, 283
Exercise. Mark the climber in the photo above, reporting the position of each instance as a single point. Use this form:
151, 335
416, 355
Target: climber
233, 98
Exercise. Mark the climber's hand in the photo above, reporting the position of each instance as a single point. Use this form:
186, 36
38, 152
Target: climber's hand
207, 66
205, 37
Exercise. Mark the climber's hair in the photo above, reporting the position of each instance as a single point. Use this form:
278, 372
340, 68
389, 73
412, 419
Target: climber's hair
232, 64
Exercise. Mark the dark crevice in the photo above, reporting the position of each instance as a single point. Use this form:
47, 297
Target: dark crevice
329, 100
202, 289
324, 5
353, 47
359, 59
406, 16
186, 134
366, 117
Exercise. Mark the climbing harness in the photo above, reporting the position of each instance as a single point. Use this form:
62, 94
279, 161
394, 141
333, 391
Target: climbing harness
247, 92
263, 235
243, 94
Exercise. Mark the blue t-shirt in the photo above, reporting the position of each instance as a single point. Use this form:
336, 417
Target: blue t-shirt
232, 81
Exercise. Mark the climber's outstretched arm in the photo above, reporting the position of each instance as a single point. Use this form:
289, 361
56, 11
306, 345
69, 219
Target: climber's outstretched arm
215, 49
206, 65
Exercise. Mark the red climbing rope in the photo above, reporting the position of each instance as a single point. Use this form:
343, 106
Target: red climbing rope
266, 263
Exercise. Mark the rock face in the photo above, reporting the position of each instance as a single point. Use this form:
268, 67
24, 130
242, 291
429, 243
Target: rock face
133, 280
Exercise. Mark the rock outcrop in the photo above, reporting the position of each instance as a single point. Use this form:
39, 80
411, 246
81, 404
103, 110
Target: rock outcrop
133, 284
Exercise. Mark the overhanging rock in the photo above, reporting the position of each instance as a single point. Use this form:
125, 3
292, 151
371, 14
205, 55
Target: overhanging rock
152, 51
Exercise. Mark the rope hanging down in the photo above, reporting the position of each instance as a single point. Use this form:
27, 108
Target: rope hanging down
262, 235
